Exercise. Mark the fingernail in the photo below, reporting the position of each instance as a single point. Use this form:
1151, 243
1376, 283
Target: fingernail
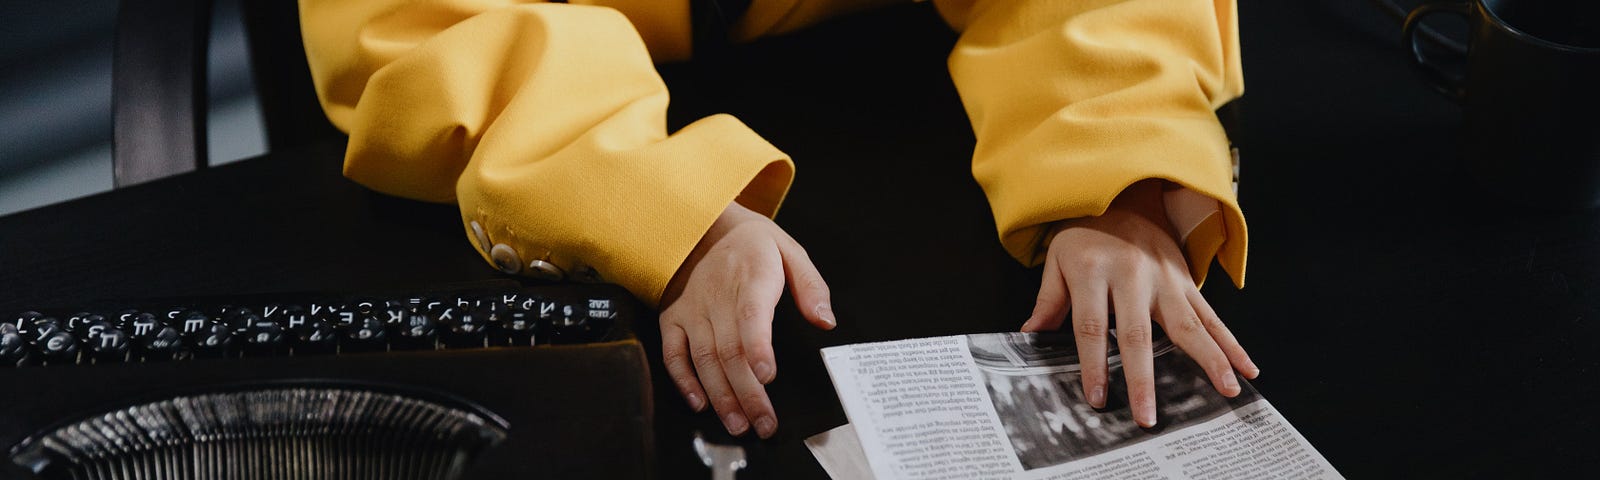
764, 371
765, 425
695, 402
1230, 384
1097, 397
825, 312
1254, 372
735, 423
1147, 417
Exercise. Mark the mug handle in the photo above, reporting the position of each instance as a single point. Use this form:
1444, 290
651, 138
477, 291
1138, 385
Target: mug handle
1450, 84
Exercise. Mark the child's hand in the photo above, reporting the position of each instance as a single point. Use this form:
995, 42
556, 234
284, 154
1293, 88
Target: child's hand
1126, 262
716, 316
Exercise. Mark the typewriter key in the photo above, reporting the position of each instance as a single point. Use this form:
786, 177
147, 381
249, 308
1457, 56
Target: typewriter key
162, 343
370, 335
142, 325
467, 329
214, 341
23, 319
518, 329
418, 332
39, 328
264, 337
76, 322
58, 347
13, 347
316, 337
192, 322
108, 345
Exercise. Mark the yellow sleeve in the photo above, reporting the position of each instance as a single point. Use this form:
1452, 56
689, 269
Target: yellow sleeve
546, 123
1072, 101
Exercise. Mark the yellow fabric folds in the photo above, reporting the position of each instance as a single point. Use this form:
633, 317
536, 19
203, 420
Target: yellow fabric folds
545, 122
1072, 101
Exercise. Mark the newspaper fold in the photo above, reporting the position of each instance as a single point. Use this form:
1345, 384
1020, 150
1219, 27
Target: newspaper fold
1010, 405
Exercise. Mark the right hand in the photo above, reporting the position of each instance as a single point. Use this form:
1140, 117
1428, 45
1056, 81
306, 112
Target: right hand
716, 316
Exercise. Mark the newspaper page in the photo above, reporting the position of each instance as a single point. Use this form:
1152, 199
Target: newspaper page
1010, 405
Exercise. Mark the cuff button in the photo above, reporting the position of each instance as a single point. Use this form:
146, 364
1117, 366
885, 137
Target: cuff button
505, 258
545, 270
477, 232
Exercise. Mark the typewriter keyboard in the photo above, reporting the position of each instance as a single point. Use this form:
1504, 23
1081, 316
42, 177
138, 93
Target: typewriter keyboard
310, 324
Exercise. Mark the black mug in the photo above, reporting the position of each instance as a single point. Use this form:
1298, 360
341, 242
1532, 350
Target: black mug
1531, 93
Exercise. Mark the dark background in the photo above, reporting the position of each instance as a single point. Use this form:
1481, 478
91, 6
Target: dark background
1406, 323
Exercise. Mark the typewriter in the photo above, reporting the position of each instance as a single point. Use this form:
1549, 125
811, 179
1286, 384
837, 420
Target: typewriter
494, 380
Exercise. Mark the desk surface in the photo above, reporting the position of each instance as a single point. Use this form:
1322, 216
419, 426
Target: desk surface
1406, 324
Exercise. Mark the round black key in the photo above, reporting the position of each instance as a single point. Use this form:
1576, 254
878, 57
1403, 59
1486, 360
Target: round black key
315, 337
467, 329
76, 322
366, 305
368, 335
293, 316
91, 331
13, 347
58, 347
164, 343
170, 313
192, 322
272, 311
143, 324
25, 318
577, 325
128, 322
109, 345
517, 329
336, 315
417, 332
40, 328
265, 337
240, 319
494, 310
392, 316
215, 340
125, 317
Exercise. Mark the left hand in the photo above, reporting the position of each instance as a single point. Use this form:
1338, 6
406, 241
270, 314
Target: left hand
1126, 262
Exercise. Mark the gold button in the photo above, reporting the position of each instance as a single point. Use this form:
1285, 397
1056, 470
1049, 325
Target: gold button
505, 258
545, 270
483, 238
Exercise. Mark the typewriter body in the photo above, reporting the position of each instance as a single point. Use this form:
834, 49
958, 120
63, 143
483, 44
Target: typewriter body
528, 366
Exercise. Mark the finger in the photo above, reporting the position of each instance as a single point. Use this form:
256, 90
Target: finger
749, 392
1089, 324
811, 293
1131, 304
1050, 309
675, 353
708, 366
1177, 317
754, 303
1223, 336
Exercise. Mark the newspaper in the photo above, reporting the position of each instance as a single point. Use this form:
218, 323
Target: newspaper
1010, 405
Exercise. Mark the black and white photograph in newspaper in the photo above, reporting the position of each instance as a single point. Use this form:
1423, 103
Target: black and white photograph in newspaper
1035, 384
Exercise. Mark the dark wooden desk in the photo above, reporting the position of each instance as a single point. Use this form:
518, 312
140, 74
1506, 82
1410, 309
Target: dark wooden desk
1408, 325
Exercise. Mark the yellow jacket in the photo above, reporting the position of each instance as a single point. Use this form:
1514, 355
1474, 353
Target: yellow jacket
546, 122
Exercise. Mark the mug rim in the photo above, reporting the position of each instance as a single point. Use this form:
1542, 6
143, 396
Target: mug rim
1528, 37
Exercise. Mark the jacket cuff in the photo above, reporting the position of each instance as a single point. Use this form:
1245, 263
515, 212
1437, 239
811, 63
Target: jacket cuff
1191, 153
630, 215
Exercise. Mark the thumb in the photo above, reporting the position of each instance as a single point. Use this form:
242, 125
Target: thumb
810, 291
1050, 310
